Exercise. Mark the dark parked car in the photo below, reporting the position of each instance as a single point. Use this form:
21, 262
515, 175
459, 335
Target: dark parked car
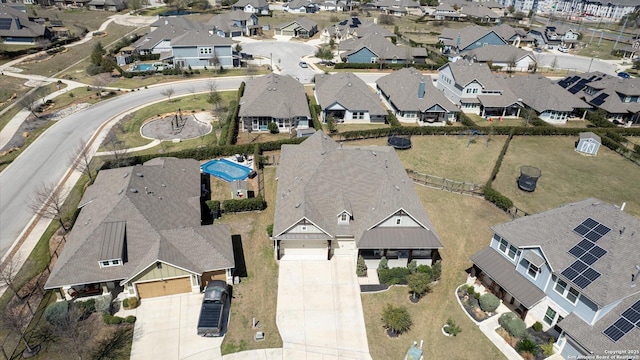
624, 75
212, 310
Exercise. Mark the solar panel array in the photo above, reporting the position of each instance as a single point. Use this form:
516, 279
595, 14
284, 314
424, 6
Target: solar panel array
568, 81
629, 319
578, 86
599, 100
5, 23
587, 252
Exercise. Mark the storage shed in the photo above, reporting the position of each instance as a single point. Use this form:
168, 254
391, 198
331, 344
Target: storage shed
588, 143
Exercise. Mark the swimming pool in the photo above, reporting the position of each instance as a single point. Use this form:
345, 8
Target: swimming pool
143, 67
226, 170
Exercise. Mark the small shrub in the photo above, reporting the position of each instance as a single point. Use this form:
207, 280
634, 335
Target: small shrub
471, 290
273, 128
419, 283
56, 312
103, 303
537, 326
133, 302
125, 303
393, 276
384, 263
361, 267
425, 269
516, 327
489, 302
476, 296
452, 328
505, 318
111, 320
270, 230
436, 270
412, 266
396, 318
214, 207
547, 349
526, 345
130, 319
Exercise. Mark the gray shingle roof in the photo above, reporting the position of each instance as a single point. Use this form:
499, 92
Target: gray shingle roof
225, 22
303, 22
200, 38
348, 90
402, 88
591, 337
540, 93
590, 135
167, 29
497, 53
552, 230
273, 95
379, 45
162, 224
479, 11
254, 3
504, 273
317, 177
467, 35
26, 27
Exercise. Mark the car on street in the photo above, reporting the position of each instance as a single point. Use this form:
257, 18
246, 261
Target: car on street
563, 49
303, 64
538, 50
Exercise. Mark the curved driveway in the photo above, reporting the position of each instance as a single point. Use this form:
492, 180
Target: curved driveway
45, 160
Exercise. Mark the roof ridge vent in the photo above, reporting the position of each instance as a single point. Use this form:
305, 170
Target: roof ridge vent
139, 174
297, 205
396, 187
135, 191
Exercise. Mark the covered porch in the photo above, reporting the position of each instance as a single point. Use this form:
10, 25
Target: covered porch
500, 277
399, 245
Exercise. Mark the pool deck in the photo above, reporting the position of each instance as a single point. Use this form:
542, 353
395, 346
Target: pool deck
248, 164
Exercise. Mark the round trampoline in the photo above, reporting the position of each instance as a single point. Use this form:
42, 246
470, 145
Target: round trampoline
399, 142
528, 179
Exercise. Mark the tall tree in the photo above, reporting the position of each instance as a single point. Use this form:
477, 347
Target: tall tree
324, 53
81, 159
97, 53
14, 320
47, 201
8, 271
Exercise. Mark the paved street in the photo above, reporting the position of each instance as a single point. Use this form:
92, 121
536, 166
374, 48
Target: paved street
286, 57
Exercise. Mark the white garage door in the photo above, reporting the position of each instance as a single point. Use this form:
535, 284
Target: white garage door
344, 247
303, 249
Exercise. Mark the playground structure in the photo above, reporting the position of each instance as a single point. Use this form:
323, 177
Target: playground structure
473, 135
528, 179
177, 126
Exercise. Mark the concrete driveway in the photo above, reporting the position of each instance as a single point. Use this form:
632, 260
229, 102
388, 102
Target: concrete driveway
319, 309
166, 328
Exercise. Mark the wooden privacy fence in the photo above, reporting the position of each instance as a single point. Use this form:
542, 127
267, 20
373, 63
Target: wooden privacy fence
441, 183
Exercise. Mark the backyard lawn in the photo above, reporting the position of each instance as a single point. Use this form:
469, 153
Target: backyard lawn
257, 292
567, 176
449, 156
463, 225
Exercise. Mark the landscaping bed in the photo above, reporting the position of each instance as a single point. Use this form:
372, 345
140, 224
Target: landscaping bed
531, 343
470, 301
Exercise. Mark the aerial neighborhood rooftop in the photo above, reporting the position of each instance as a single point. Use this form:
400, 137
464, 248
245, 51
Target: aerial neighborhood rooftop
390, 179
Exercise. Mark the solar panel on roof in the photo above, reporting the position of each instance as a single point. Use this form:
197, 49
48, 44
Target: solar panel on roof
569, 273
5, 24
624, 325
578, 266
588, 259
613, 333
590, 223
343, 22
599, 100
578, 86
577, 251
597, 251
593, 236
592, 77
581, 229
636, 306
632, 315
591, 274
586, 244
602, 229
581, 281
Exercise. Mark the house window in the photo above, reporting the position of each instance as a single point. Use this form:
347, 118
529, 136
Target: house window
303, 228
205, 50
503, 245
105, 263
512, 251
343, 217
398, 220
358, 115
550, 316
567, 292
115, 262
533, 271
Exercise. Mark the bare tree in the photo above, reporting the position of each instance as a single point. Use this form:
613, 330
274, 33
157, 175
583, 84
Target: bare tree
30, 100
47, 201
100, 81
554, 63
214, 62
16, 321
168, 92
71, 326
115, 146
81, 159
192, 90
215, 99
8, 271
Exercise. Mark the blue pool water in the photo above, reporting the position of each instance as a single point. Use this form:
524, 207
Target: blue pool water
143, 67
226, 170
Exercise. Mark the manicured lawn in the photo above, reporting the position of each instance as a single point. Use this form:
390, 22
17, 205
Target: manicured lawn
463, 225
11, 86
567, 176
131, 128
73, 19
356, 127
602, 52
257, 292
449, 156
19, 90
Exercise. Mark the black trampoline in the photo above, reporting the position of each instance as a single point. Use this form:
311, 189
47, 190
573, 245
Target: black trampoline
399, 142
528, 179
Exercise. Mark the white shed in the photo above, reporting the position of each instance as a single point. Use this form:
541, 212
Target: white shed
588, 143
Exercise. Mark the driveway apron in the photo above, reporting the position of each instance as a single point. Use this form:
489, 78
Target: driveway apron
319, 308
166, 328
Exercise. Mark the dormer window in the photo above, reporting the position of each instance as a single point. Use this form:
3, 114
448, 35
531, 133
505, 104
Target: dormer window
344, 218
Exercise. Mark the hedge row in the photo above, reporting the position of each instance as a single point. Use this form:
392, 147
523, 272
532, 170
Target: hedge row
207, 152
233, 120
465, 120
393, 120
492, 195
235, 205
385, 66
315, 111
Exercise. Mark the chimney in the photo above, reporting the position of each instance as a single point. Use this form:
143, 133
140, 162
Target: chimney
421, 89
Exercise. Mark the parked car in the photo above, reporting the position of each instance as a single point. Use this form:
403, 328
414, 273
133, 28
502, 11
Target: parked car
563, 49
538, 50
624, 75
212, 310
303, 64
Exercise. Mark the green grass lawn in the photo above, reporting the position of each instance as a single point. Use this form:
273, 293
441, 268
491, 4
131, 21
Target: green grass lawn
73, 19
463, 225
131, 129
448, 156
140, 82
20, 90
357, 127
567, 176
602, 52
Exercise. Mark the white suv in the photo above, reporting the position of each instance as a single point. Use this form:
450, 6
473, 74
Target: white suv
563, 49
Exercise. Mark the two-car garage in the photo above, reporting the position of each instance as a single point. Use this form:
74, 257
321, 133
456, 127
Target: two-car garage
164, 287
303, 249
